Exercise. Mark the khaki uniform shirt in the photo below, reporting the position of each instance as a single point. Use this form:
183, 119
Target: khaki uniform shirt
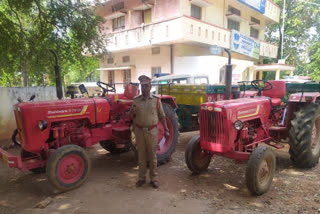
147, 112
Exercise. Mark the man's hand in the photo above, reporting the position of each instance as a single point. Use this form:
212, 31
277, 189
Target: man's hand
133, 112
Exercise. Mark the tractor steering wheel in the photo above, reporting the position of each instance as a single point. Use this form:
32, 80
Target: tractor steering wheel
256, 85
106, 88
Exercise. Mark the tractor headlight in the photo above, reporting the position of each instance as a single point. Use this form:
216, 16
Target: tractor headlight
238, 125
42, 125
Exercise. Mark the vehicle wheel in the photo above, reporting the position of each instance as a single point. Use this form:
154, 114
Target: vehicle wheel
26, 154
196, 159
68, 167
304, 137
110, 146
166, 147
260, 170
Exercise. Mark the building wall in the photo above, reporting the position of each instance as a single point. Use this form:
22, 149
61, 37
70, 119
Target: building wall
9, 96
141, 62
162, 10
211, 66
216, 14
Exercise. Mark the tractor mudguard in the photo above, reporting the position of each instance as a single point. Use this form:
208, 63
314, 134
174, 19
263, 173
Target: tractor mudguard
310, 97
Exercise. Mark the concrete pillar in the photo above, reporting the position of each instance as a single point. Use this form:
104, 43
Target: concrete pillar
291, 73
277, 74
260, 75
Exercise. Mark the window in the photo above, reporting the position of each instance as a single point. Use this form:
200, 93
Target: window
234, 11
126, 77
117, 7
254, 20
147, 16
111, 77
126, 59
180, 81
110, 60
233, 25
201, 80
254, 33
155, 50
155, 70
118, 23
195, 11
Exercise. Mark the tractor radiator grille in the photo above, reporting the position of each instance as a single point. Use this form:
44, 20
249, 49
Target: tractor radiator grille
212, 128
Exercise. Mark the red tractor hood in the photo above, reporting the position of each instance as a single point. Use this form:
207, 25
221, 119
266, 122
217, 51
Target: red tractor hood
240, 109
29, 114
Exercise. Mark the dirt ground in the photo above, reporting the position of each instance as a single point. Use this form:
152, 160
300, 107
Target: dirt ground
111, 188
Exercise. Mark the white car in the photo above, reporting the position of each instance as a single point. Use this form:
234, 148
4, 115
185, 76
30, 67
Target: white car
190, 79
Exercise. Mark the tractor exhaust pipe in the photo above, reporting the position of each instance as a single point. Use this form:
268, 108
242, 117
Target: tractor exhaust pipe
228, 76
58, 76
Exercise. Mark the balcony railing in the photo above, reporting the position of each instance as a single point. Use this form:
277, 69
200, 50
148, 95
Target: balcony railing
272, 11
177, 30
268, 50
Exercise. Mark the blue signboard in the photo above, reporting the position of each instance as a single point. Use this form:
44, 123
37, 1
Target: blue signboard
259, 5
244, 44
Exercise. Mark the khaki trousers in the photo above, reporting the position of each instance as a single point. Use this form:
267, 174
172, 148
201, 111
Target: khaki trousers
147, 152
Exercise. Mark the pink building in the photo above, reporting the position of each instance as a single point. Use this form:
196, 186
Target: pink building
177, 36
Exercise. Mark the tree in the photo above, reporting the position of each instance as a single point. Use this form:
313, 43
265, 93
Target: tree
300, 18
29, 28
313, 67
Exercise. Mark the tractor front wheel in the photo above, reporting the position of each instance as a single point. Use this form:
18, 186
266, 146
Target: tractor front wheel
304, 137
196, 159
68, 167
260, 170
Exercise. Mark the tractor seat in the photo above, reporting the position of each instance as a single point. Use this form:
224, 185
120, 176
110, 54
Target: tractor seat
276, 93
275, 102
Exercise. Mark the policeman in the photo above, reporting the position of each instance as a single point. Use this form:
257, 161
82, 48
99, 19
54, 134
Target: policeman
146, 111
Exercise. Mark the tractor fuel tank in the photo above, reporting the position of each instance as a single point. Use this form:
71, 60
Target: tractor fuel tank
35, 119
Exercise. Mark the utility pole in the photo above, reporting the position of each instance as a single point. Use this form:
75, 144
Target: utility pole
282, 28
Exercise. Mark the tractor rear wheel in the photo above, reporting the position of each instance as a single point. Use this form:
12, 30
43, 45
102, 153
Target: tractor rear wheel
260, 170
196, 159
304, 137
68, 167
111, 147
167, 146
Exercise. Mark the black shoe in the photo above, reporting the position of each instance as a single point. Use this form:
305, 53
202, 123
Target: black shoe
140, 183
154, 184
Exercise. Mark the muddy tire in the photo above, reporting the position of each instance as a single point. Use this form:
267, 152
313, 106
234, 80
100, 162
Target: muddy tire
196, 159
68, 167
167, 147
111, 147
304, 137
260, 170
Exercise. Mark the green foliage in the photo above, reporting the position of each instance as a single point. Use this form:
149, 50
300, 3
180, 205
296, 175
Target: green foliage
300, 19
29, 28
313, 67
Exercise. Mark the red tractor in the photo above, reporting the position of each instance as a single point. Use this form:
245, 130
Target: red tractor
52, 134
237, 128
